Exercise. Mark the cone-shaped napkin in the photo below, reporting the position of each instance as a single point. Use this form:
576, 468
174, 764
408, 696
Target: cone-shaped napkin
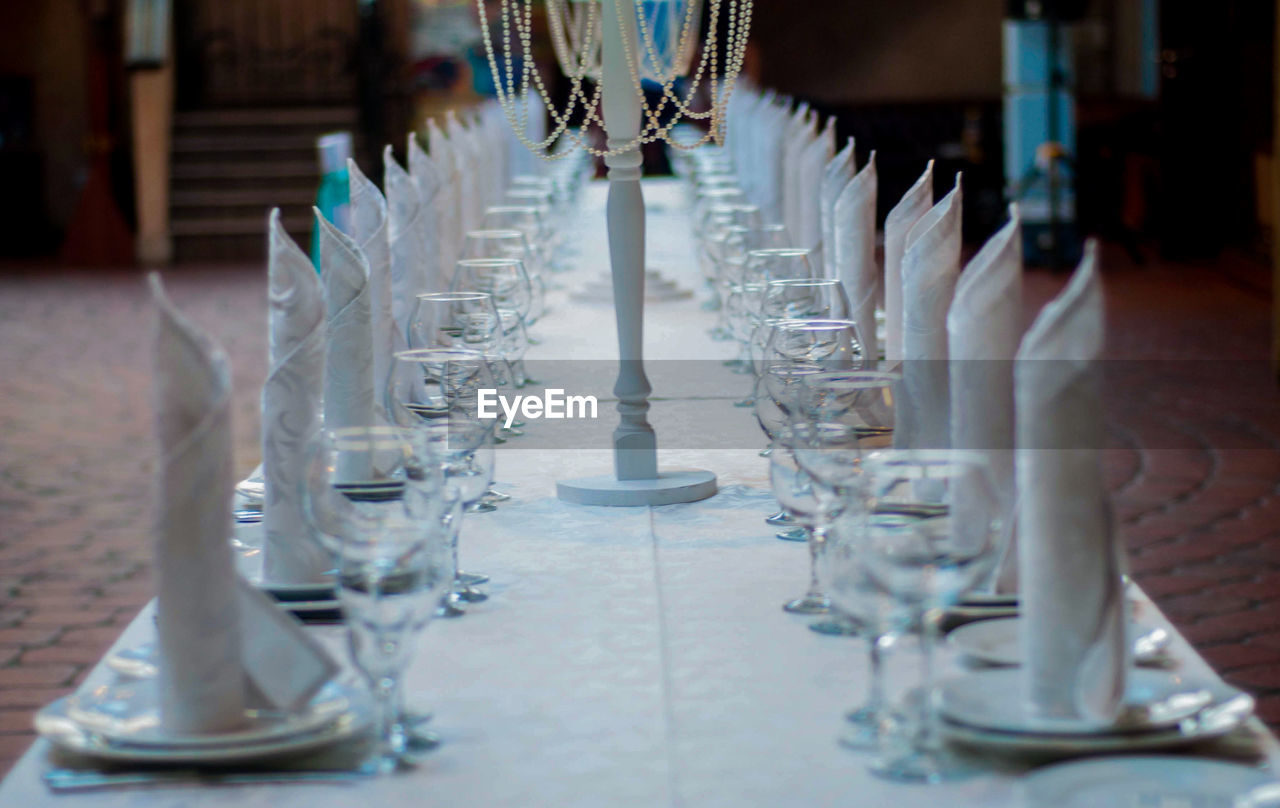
813, 161
223, 646
427, 176
201, 689
1070, 562
369, 231
914, 204
448, 223
930, 267
769, 160
291, 399
835, 177
465, 160
984, 327
348, 363
854, 249
799, 134
406, 242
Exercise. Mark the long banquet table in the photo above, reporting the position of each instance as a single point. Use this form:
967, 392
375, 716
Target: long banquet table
626, 656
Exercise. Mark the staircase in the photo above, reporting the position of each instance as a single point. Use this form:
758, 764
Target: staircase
231, 166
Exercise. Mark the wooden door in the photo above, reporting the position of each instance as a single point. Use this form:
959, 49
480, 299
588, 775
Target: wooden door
267, 52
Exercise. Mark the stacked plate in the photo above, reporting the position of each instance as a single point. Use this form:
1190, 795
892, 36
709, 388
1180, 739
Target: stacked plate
998, 642
312, 602
121, 723
1162, 710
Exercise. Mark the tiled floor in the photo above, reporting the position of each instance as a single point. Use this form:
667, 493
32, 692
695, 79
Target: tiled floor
1195, 420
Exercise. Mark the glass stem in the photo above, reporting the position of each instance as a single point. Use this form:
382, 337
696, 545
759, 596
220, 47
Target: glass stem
929, 730
455, 527
387, 698
877, 643
813, 537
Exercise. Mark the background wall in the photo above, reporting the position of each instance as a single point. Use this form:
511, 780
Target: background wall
840, 52
45, 40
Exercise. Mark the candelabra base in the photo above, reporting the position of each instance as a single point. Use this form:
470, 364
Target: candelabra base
657, 289
670, 487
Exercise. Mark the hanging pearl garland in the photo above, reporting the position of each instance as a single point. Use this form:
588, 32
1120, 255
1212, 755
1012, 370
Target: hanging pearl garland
576, 39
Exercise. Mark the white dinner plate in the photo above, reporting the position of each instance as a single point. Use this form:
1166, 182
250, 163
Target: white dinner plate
997, 642
991, 699
1140, 781
125, 716
1214, 724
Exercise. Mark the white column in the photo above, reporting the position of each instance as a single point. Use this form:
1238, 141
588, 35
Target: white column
634, 443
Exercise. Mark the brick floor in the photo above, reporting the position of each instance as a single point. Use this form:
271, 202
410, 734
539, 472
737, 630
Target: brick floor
1193, 413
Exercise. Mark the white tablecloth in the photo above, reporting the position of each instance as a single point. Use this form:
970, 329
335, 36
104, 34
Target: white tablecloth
626, 657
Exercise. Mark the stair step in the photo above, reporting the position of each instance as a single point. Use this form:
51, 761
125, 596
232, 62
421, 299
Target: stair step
236, 226
248, 144
308, 169
320, 117
236, 197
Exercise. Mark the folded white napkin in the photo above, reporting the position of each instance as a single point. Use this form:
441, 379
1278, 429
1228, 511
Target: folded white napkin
930, 268
984, 327
835, 176
369, 231
212, 629
448, 202
429, 177
855, 251
406, 242
768, 162
799, 134
494, 135
1070, 558
291, 400
468, 170
348, 363
914, 204
813, 162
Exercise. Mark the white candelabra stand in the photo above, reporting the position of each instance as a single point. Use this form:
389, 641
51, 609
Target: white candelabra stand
636, 479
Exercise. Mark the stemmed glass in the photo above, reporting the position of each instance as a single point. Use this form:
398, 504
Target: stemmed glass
794, 299
879, 619
776, 263
505, 279
798, 494
380, 508
511, 243
842, 416
931, 531
454, 320
528, 220
796, 349
466, 320
435, 393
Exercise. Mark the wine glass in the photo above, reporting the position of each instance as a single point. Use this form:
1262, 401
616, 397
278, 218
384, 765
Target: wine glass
932, 527
529, 221
462, 446
799, 495
435, 392
801, 347
510, 244
454, 320
382, 511
796, 349
776, 263
795, 299
879, 618
504, 279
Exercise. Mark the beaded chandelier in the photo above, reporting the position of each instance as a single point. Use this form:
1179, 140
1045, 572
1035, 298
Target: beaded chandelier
659, 41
